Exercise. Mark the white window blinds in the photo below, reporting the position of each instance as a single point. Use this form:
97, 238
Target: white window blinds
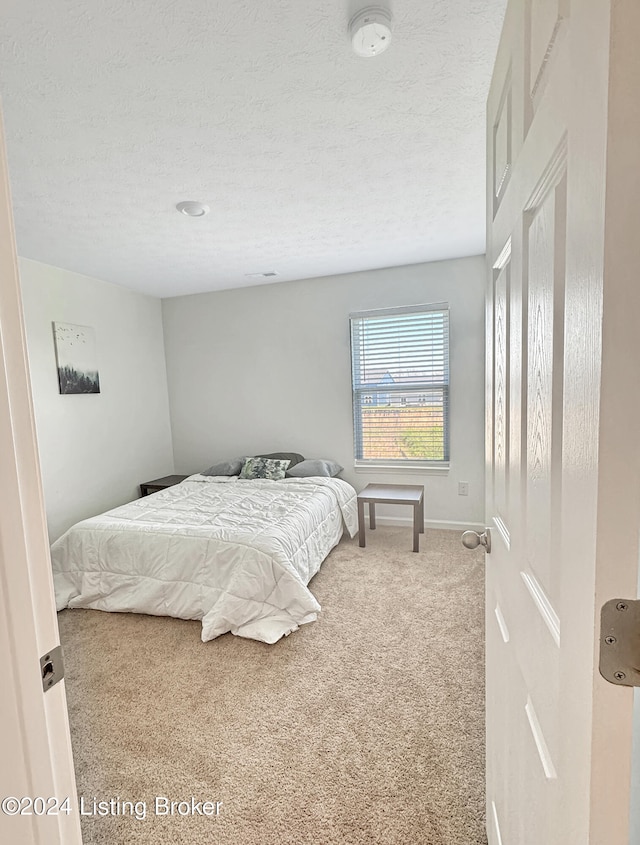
400, 377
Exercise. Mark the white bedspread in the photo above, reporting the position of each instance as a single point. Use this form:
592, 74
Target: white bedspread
237, 554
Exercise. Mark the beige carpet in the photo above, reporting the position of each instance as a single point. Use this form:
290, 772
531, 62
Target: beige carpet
363, 727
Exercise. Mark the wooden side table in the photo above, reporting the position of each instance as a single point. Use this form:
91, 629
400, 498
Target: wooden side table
392, 494
160, 484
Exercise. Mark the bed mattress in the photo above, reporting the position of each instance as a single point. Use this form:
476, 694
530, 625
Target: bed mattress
237, 554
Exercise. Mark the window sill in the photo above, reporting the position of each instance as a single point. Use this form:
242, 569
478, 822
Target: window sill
401, 470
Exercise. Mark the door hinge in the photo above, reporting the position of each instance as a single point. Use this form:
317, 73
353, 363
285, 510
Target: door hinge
52, 668
620, 642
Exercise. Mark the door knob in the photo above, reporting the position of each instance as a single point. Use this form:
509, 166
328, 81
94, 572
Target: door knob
471, 540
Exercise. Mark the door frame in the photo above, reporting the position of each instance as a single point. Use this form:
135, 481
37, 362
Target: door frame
37, 759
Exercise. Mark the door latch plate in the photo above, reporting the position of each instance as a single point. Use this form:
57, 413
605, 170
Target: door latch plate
51, 668
620, 642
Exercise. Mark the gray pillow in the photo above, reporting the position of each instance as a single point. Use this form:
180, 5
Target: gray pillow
264, 468
231, 467
307, 469
293, 457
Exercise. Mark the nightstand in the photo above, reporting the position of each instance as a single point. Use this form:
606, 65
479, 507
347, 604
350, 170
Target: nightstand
392, 494
160, 484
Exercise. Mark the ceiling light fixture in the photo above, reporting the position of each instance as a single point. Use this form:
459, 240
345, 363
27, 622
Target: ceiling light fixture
192, 209
370, 31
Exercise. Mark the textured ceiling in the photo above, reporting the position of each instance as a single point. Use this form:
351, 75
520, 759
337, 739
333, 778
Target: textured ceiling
312, 160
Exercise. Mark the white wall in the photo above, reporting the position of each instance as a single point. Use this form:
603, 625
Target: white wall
267, 368
95, 449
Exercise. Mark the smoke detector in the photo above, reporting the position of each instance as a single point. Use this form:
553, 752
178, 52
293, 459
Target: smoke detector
192, 209
370, 31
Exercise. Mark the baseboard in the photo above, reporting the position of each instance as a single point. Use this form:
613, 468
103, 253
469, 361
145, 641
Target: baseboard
446, 524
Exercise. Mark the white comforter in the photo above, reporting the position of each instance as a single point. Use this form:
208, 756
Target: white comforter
236, 554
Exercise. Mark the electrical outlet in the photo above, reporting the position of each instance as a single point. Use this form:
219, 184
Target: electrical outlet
463, 488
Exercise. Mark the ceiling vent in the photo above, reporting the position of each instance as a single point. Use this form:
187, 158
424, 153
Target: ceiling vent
268, 274
370, 31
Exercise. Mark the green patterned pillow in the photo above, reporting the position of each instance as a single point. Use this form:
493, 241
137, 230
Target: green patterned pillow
264, 468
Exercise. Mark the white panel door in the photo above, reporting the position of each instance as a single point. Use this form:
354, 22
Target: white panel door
35, 748
562, 473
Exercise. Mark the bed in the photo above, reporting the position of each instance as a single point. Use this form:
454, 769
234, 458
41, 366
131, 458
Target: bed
237, 554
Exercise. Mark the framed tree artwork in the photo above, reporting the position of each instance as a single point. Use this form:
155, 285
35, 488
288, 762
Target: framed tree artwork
76, 358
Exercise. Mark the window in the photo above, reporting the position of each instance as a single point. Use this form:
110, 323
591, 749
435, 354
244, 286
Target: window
400, 378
